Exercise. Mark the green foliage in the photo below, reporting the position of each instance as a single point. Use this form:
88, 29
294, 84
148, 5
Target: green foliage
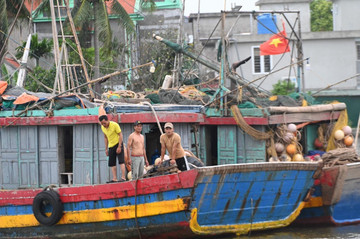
83, 14
46, 77
38, 48
4, 73
321, 15
162, 55
3, 27
74, 58
283, 87
9, 8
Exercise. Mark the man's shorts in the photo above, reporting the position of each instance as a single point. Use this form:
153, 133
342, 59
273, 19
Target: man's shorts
181, 163
112, 155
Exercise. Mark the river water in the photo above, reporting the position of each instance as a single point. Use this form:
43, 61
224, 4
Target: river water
320, 232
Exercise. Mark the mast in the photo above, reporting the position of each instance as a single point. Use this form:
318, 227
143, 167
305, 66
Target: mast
301, 74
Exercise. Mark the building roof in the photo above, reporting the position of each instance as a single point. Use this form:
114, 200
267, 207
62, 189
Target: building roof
35, 4
128, 5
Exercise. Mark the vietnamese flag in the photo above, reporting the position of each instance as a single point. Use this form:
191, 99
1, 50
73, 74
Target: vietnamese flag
277, 44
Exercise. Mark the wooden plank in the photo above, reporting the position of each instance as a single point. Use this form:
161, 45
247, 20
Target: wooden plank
174, 117
231, 121
131, 100
303, 117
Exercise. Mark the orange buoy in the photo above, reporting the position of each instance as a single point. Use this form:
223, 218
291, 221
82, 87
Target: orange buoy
348, 140
291, 149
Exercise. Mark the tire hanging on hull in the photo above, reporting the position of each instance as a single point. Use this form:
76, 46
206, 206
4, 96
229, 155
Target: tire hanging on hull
47, 201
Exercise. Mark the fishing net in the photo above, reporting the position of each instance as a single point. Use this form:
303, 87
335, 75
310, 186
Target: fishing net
246, 127
341, 122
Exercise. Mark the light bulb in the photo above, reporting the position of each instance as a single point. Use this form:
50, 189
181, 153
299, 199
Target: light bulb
152, 68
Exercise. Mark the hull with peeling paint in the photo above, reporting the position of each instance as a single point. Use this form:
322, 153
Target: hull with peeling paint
335, 200
203, 201
242, 198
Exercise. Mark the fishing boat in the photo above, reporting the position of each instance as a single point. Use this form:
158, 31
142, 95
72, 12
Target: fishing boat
243, 197
54, 168
54, 173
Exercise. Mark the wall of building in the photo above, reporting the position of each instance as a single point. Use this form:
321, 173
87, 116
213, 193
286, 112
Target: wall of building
346, 15
284, 5
332, 55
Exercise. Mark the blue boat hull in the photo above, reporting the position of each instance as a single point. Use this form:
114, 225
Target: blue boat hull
241, 198
344, 206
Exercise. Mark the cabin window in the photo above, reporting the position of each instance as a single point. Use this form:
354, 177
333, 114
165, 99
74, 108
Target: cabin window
261, 64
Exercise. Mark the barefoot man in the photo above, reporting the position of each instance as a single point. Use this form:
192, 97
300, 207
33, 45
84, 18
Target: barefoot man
136, 150
113, 146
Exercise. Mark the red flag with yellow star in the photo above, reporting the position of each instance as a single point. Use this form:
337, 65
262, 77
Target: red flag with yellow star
277, 44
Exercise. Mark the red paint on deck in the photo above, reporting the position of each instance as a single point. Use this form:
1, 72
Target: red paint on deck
106, 191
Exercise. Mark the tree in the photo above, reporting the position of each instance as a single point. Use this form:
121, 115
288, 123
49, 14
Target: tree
283, 87
321, 15
37, 48
9, 9
97, 12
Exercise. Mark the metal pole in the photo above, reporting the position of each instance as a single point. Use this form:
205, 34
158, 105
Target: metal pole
300, 58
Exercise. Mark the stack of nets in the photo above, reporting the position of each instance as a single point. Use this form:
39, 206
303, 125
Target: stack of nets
340, 156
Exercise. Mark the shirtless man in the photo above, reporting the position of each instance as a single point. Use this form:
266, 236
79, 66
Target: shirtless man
136, 151
171, 142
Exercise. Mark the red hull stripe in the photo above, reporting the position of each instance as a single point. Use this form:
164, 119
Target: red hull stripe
146, 117
106, 191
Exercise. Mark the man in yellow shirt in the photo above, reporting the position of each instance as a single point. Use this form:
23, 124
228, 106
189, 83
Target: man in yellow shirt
171, 142
113, 146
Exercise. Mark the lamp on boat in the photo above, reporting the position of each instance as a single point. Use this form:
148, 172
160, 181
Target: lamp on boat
307, 66
152, 67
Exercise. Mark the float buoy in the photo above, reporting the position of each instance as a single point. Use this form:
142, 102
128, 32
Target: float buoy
347, 130
279, 147
291, 128
339, 134
298, 157
348, 140
291, 149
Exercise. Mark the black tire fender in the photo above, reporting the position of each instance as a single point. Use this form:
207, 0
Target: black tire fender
51, 200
